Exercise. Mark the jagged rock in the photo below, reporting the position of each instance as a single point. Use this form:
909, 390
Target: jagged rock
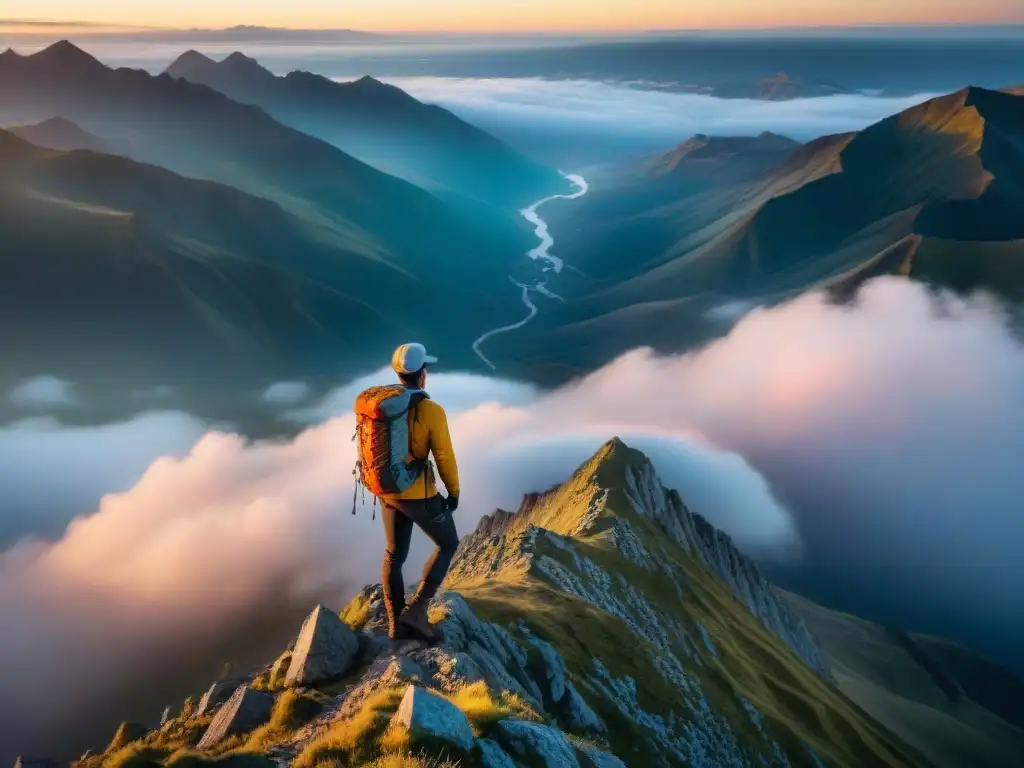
493, 756
38, 762
217, 694
245, 710
449, 671
126, 733
595, 758
324, 650
166, 715
426, 714
383, 674
554, 668
537, 744
86, 755
577, 713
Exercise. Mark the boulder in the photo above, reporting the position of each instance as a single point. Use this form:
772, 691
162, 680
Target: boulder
245, 710
537, 744
577, 714
493, 756
217, 694
553, 667
38, 762
595, 758
427, 715
126, 733
324, 650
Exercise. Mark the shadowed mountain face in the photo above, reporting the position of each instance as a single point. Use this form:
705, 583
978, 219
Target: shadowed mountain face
929, 193
121, 276
199, 132
958, 708
321, 266
382, 125
58, 133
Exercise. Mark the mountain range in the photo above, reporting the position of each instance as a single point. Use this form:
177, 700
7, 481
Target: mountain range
273, 251
382, 125
602, 624
929, 193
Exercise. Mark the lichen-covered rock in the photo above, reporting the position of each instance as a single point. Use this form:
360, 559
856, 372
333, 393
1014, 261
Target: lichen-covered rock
425, 714
126, 733
449, 671
244, 711
493, 756
595, 758
537, 744
324, 650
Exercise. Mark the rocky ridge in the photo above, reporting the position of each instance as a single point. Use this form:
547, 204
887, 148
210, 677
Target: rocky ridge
601, 625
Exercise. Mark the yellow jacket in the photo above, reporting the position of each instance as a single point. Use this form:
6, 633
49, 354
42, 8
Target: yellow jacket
429, 434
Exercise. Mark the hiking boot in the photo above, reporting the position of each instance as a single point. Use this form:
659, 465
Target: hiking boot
414, 617
396, 629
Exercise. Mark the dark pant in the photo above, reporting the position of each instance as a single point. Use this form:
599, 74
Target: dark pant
399, 517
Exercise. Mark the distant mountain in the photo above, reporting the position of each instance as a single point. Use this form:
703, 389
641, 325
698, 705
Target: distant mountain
58, 133
199, 132
121, 276
382, 125
958, 708
931, 193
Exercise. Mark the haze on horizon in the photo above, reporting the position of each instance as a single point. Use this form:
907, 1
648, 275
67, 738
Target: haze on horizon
506, 15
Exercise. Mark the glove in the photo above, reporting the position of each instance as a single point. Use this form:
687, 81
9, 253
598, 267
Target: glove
451, 503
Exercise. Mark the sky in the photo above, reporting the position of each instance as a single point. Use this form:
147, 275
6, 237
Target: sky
513, 15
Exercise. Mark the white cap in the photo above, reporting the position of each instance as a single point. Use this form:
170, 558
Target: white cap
409, 358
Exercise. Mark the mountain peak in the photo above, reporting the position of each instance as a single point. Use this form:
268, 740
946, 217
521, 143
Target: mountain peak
64, 53
190, 61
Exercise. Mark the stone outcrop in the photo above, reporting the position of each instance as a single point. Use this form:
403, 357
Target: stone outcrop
246, 710
424, 714
536, 744
324, 650
217, 694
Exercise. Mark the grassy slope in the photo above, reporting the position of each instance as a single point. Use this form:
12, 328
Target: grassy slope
151, 278
874, 668
799, 708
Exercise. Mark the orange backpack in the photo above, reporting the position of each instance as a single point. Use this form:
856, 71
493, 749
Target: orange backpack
383, 439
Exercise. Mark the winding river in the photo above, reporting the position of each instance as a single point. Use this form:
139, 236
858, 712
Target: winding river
543, 253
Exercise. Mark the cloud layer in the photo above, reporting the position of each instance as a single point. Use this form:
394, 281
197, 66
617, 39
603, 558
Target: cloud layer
889, 432
618, 110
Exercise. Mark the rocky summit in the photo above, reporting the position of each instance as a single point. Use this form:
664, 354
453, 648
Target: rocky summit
601, 625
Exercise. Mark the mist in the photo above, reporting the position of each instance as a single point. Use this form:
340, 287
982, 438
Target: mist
585, 121
870, 451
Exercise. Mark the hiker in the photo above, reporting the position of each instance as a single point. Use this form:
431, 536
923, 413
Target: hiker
398, 426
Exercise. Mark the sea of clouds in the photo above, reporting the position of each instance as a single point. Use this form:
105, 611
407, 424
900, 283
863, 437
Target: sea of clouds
875, 447
621, 110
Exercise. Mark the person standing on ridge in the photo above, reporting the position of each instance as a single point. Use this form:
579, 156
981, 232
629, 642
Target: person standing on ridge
398, 427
